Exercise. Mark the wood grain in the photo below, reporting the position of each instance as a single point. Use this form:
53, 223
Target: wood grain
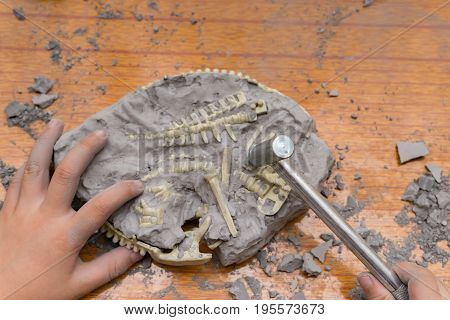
402, 93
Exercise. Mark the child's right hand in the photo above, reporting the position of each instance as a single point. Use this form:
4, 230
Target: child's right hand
422, 284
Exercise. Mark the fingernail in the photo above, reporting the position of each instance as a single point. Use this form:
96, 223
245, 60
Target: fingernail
54, 123
100, 133
139, 185
365, 280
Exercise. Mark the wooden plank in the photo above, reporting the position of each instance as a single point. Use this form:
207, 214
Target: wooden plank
402, 92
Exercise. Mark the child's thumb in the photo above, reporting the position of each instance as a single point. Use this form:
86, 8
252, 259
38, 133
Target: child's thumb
373, 289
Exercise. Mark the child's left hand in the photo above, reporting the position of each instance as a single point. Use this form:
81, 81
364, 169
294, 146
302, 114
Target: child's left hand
41, 235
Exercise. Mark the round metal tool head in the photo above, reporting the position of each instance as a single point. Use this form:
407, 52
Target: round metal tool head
267, 152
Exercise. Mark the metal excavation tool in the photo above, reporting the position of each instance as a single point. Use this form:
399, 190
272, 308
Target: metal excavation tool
276, 152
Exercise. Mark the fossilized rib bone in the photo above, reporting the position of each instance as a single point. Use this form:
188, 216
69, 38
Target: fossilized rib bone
270, 197
182, 131
182, 166
213, 182
226, 165
150, 216
271, 176
192, 256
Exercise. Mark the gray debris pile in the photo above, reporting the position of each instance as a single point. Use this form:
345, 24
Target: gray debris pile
429, 198
22, 115
6, 174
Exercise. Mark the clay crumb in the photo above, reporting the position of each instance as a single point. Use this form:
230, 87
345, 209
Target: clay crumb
273, 294
255, 286
367, 3
294, 240
321, 250
22, 116
309, 266
354, 116
41, 84
55, 50
19, 13
339, 182
435, 171
333, 93
44, 100
300, 295
408, 151
81, 31
102, 89
290, 262
357, 176
114, 62
238, 290
6, 174
402, 218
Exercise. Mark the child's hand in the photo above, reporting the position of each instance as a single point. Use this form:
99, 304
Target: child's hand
422, 284
41, 235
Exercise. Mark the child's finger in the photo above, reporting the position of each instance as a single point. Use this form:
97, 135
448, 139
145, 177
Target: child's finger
35, 179
64, 182
14, 190
422, 284
91, 275
97, 210
373, 289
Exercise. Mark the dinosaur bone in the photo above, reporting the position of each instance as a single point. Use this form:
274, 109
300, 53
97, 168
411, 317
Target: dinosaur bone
183, 166
213, 182
270, 197
226, 165
192, 256
150, 216
161, 191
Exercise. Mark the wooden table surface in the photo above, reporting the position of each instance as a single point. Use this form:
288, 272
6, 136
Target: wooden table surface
388, 61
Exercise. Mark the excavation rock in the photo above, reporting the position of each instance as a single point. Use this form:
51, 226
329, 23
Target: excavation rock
309, 266
138, 147
290, 263
408, 150
321, 250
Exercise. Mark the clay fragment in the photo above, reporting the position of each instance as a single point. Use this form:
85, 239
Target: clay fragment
255, 286
42, 84
290, 262
19, 13
309, 266
6, 174
273, 294
425, 182
238, 290
54, 47
410, 192
357, 176
333, 93
300, 295
321, 250
44, 100
294, 240
339, 182
14, 109
435, 171
367, 3
408, 150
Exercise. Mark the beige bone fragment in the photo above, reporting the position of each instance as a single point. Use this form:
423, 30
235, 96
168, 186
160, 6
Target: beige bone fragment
213, 182
270, 175
150, 216
215, 244
226, 165
191, 256
162, 191
254, 184
272, 201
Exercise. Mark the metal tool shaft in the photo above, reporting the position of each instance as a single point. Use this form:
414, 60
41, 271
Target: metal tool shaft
266, 153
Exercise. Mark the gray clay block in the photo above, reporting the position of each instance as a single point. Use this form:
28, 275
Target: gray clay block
309, 266
435, 171
290, 262
321, 250
238, 290
408, 150
152, 109
44, 100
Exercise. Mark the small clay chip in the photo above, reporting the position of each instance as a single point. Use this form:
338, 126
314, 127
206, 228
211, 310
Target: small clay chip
408, 150
290, 262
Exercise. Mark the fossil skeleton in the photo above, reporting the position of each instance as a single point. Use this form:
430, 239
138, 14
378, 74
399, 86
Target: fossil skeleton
270, 188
